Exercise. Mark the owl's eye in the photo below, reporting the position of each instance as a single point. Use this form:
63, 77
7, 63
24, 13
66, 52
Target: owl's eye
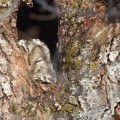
39, 60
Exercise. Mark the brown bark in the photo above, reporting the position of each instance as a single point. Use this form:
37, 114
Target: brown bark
15, 83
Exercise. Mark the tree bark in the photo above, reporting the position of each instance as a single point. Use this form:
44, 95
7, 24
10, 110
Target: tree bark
91, 92
15, 84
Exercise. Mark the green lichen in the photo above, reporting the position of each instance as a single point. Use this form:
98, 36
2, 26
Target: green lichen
72, 61
62, 95
69, 108
16, 109
75, 3
93, 66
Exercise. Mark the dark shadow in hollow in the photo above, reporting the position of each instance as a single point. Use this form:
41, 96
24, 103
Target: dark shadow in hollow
47, 30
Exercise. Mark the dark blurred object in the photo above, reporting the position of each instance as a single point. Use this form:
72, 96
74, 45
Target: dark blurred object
113, 10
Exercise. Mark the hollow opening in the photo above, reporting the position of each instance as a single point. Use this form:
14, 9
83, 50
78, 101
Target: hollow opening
34, 21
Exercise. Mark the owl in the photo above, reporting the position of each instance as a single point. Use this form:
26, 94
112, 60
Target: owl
37, 57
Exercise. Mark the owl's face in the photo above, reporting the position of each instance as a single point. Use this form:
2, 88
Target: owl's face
38, 60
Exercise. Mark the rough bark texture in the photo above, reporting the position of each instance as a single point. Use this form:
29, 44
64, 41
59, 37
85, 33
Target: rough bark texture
14, 78
90, 90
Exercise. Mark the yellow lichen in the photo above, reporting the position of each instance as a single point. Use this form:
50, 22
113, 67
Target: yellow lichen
16, 109
69, 108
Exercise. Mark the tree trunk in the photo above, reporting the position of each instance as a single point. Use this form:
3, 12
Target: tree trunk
90, 90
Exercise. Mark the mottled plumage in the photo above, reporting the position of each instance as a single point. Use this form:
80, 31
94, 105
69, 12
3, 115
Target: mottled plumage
37, 57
